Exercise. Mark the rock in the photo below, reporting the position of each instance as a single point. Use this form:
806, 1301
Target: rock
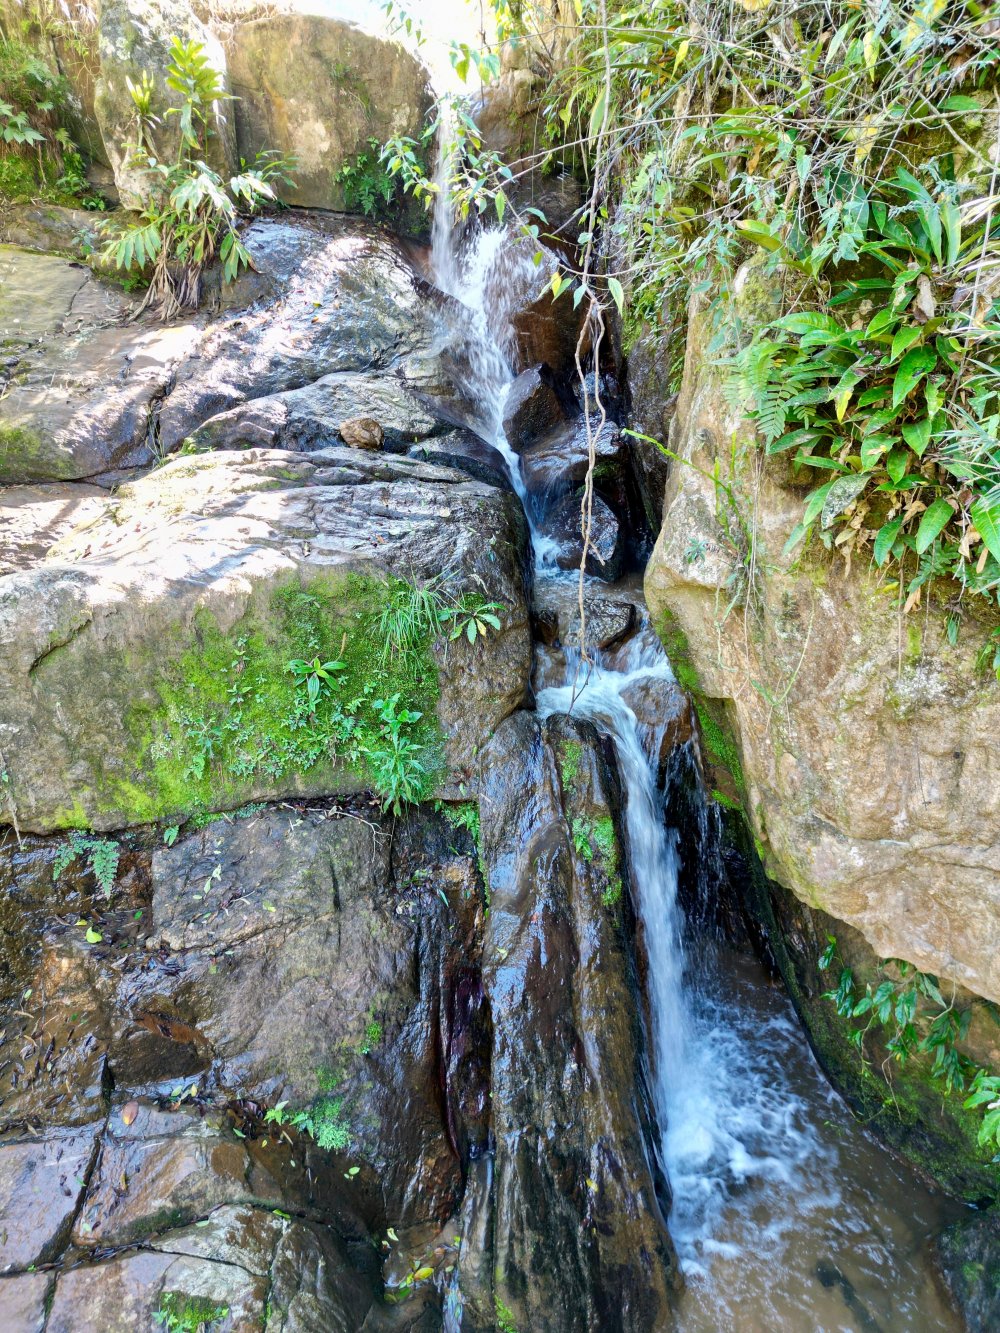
49, 229
41, 1183
362, 433
321, 89
134, 38
870, 786
606, 552
466, 451
559, 460
32, 518
95, 639
609, 618
652, 408
24, 1301
664, 714
969, 1252
307, 418
124, 1294
532, 408
328, 296
579, 1237
547, 331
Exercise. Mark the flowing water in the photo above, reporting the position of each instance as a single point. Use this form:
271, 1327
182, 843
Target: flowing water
786, 1216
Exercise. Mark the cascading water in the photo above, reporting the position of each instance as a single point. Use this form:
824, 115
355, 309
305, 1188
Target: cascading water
785, 1216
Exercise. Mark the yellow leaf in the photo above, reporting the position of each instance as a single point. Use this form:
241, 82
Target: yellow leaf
592, 1184
682, 51
870, 47
422, 1274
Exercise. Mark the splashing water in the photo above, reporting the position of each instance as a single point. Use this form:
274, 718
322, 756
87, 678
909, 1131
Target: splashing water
785, 1216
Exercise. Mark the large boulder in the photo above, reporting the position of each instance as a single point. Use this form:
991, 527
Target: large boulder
326, 296
120, 649
860, 743
134, 38
580, 1241
326, 92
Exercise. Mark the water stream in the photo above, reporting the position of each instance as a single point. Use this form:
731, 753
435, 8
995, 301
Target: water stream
786, 1216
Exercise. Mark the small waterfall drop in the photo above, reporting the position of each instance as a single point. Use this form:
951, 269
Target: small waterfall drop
769, 1173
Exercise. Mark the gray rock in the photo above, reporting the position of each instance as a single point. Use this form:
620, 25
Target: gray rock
560, 459
24, 1301
33, 518
969, 1252
211, 540
41, 1183
606, 551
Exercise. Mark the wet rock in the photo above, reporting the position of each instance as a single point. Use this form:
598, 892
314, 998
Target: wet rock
469, 453
560, 460
24, 1302
32, 518
41, 1184
319, 89
606, 551
49, 229
547, 331
579, 1238
362, 433
969, 1252
124, 1294
532, 408
87, 636
307, 418
664, 714
326, 296
609, 619
653, 401
134, 39
164, 1168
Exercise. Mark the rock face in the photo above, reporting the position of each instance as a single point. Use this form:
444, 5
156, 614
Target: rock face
579, 1238
328, 297
606, 549
201, 557
532, 408
860, 742
321, 89
970, 1257
134, 38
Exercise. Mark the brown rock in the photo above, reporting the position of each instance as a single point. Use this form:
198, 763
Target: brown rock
532, 408
362, 433
24, 1302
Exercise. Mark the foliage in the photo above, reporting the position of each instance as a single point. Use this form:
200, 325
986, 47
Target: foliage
367, 186
505, 1319
193, 213
178, 1313
472, 617
242, 707
909, 1007
322, 1121
413, 611
102, 856
896, 397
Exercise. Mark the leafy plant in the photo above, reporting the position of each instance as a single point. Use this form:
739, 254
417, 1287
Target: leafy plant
473, 616
322, 1121
909, 1007
102, 856
897, 399
179, 1313
399, 764
318, 677
193, 214
367, 185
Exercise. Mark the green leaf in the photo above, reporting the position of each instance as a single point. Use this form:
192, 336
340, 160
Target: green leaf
618, 296
985, 513
885, 540
917, 363
917, 435
935, 518
93, 936
597, 114
897, 462
905, 337
816, 501
807, 321
959, 102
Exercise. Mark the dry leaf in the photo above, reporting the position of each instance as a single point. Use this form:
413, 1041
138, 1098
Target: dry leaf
129, 1112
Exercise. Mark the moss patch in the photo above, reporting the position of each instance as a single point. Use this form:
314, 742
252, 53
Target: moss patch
232, 716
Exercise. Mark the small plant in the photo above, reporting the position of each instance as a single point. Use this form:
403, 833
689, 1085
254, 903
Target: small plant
102, 855
178, 1313
322, 1121
398, 763
318, 677
192, 216
371, 1038
367, 185
582, 831
409, 614
908, 1006
472, 617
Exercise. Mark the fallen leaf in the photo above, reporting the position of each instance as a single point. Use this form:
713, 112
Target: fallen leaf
129, 1112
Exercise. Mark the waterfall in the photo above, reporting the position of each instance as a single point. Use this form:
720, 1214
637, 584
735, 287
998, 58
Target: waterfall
768, 1172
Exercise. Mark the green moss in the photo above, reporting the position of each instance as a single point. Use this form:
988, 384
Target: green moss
570, 754
24, 454
505, 1319
725, 800
231, 715
179, 1313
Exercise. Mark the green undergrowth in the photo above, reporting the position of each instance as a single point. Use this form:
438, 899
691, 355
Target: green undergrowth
305, 680
179, 1313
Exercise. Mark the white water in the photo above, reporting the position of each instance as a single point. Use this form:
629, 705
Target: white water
785, 1217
